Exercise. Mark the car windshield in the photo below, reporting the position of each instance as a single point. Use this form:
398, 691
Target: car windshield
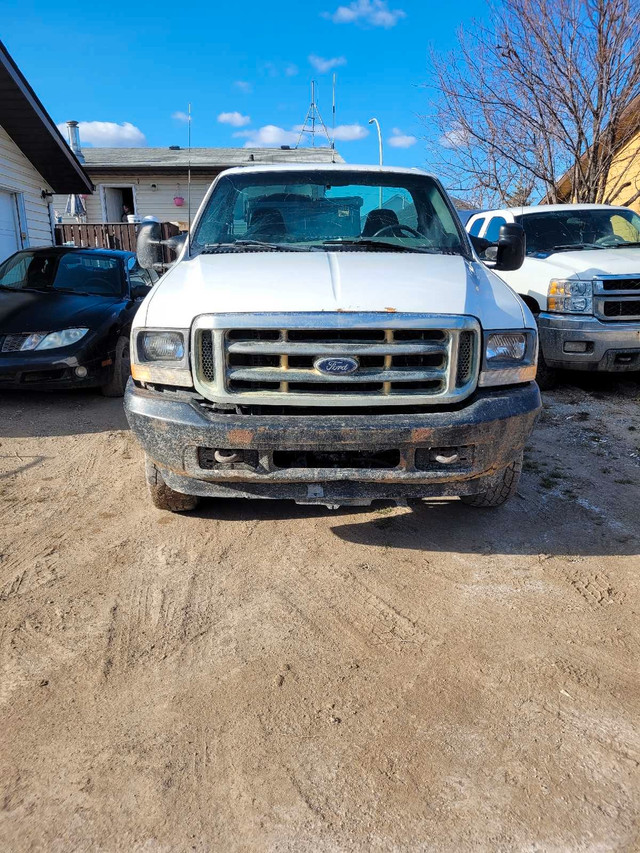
328, 210
577, 229
69, 272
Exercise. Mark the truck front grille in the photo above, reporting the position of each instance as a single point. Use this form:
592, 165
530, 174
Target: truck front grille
616, 298
622, 308
398, 358
621, 284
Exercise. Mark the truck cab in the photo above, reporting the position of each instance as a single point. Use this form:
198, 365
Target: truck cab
580, 278
329, 335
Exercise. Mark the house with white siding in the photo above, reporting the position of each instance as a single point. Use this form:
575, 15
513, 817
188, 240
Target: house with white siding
154, 181
35, 163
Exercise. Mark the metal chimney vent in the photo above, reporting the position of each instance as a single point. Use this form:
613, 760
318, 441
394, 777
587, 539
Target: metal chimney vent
74, 139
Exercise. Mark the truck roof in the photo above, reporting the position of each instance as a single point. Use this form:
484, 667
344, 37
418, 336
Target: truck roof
547, 208
324, 167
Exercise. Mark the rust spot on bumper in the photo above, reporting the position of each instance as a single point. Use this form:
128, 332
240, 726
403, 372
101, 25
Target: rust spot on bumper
241, 437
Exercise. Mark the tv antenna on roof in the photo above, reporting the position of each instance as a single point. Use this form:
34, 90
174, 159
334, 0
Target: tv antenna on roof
313, 122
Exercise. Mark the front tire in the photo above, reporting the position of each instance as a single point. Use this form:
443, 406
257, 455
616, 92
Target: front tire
546, 377
120, 370
503, 486
164, 497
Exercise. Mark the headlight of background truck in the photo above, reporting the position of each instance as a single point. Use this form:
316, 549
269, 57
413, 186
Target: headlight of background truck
509, 357
161, 357
570, 297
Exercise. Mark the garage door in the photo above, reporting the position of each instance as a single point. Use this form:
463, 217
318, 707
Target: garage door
9, 242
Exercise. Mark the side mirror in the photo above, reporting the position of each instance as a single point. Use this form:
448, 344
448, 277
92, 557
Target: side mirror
148, 245
139, 291
176, 243
511, 247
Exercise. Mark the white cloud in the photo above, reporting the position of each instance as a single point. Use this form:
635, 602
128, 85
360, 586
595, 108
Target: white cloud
108, 134
278, 69
243, 86
401, 140
454, 138
272, 136
180, 116
269, 136
235, 119
376, 13
323, 65
350, 132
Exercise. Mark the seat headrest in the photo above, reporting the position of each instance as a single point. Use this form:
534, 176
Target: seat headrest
377, 219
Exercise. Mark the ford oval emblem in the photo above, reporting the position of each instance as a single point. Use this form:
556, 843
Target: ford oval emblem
340, 366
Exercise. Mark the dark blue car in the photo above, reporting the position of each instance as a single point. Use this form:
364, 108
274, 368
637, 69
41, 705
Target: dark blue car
65, 317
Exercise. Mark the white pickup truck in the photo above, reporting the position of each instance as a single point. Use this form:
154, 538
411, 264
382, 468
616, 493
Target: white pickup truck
329, 335
581, 279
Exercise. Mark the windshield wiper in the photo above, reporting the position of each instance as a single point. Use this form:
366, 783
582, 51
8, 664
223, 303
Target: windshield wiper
624, 245
384, 246
251, 244
575, 247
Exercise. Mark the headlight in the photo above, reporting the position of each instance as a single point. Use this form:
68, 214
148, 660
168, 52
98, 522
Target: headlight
505, 345
53, 340
161, 357
509, 357
161, 346
567, 296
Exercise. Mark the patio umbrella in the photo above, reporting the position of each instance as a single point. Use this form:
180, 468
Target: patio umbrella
75, 206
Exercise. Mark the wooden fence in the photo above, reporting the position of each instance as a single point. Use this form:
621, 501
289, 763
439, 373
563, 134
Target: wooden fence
108, 236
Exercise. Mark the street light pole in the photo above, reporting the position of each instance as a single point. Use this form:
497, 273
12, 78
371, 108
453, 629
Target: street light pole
377, 124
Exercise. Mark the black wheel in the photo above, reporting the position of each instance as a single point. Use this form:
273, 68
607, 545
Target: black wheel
163, 497
546, 377
503, 486
120, 370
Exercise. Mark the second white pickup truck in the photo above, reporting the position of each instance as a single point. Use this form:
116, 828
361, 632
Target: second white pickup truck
580, 278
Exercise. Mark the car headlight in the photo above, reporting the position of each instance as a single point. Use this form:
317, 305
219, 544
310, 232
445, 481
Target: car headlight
566, 296
53, 340
509, 357
161, 357
506, 346
161, 346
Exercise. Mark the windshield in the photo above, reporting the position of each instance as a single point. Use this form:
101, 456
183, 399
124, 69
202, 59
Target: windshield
70, 272
586, 228
329, 210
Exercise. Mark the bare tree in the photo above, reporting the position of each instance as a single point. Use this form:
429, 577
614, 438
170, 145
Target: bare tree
543, 90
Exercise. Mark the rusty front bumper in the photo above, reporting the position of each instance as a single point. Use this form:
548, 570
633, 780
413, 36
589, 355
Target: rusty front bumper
486, 434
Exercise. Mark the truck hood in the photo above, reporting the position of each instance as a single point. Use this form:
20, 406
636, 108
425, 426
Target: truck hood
330, 281
588, 264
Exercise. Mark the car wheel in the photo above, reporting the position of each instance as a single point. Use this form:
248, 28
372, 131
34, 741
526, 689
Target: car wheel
503, 486
546, 377
120, 370
162, 496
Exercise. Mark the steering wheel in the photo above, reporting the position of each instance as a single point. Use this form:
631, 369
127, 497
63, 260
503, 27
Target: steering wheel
608, 240
398, 227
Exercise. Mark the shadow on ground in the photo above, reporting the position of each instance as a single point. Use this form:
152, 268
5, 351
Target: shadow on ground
36, 414
528, 524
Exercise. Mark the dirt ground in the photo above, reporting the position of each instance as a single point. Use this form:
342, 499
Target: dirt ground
262, 676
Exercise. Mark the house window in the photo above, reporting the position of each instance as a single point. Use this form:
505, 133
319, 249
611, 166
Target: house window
118, 202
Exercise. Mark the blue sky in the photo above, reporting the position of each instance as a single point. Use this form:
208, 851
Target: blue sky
134, 67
